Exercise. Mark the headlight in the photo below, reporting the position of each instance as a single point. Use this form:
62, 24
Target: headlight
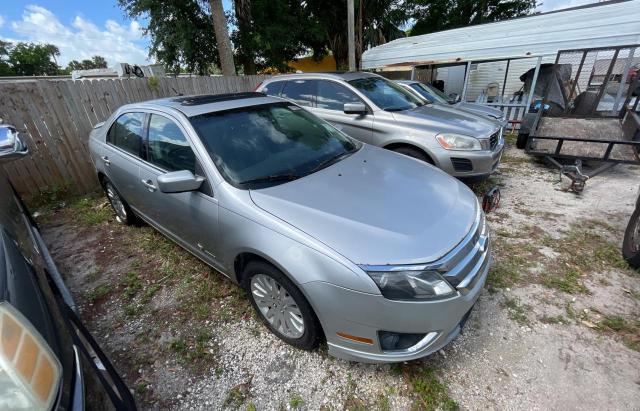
411, 285
29, 371
458, 142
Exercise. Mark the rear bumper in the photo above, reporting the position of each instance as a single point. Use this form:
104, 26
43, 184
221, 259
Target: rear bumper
364, 315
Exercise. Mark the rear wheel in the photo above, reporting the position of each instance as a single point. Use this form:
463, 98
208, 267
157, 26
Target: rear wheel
413, 152
631, 243
281, 305
124, 215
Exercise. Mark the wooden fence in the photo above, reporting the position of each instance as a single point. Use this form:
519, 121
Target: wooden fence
56, 117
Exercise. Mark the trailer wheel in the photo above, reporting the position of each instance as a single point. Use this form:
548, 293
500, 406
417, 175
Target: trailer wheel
521, 143
631, 243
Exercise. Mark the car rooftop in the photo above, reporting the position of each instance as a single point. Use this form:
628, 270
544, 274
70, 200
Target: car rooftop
194, 105
337, 75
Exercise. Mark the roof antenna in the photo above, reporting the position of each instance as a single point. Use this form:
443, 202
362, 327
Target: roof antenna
175, 91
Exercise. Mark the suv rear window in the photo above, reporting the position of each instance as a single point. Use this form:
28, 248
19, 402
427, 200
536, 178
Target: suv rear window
302, 92
273, 89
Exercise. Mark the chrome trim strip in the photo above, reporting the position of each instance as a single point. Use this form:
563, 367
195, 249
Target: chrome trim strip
426, 340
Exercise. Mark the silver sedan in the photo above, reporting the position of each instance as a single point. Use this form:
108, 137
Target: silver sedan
380, 255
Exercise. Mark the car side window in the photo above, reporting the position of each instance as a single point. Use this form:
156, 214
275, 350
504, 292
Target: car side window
126, 132
333, 96
167, 147
302, 92
273, 89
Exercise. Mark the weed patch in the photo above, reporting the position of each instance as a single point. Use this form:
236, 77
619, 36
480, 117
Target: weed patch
517, 312
430, 393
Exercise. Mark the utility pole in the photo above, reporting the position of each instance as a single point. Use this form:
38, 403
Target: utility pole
350, 35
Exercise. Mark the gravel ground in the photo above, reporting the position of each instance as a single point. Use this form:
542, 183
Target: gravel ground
527, 345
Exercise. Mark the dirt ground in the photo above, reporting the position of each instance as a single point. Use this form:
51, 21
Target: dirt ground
557, 326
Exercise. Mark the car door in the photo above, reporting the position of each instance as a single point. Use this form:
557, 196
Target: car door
122, 152
330, 100
191, 218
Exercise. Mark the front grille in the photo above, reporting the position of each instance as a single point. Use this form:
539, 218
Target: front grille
461, 164
461, 266
493, 140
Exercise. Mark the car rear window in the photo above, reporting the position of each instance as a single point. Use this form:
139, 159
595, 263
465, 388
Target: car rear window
126, 132
273, 89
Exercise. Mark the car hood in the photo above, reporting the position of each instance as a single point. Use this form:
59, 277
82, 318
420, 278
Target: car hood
445, 118
480, 109
377, 207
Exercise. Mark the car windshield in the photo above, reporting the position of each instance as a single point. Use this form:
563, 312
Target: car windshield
386, 94
261, 146
430, 92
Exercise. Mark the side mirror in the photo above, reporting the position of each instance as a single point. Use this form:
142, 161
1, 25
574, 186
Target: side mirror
453, 98
354, 108
11, 145
179, 182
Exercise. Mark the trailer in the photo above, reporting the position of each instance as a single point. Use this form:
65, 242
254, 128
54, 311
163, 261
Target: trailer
589, 113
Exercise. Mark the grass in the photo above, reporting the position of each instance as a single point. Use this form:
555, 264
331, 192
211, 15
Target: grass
517, 312
295, 401
91, 212
556, 319
99, 292
131, 283
193, 349
429, 392
626, 330
568, 281
236, 396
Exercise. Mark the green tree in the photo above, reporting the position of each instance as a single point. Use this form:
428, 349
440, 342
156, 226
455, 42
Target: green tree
29, 59
272, 32
96, 62
438, 15
181, 32
5, 67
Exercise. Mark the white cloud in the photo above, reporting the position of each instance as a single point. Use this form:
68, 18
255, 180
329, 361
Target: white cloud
82, 39
1, 20
553, 5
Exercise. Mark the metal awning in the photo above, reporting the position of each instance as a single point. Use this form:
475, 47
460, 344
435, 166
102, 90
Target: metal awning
614, 23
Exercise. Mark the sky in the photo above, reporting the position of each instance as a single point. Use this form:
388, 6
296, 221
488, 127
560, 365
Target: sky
82, 28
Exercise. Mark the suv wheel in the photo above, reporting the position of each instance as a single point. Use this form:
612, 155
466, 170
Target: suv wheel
124, 215
281, 305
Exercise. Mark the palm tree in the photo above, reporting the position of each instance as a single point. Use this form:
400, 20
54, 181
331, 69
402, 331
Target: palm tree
222, 38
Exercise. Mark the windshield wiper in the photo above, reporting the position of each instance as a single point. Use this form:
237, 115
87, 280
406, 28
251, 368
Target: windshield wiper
332, 160
271, 178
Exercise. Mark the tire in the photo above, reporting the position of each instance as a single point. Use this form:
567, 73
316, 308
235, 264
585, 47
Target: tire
124, 214
631, 243
412, 152
521, 143
260, 277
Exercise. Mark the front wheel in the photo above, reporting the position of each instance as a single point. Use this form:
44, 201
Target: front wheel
631, 243
281, 306
412, 152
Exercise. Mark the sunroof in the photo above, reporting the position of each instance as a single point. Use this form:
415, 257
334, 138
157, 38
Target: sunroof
215, 98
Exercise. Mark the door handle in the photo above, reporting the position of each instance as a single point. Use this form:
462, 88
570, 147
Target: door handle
106, 160
149, 185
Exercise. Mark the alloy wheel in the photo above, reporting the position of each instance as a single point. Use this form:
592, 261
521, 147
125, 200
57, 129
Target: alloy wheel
277, 306
116, 203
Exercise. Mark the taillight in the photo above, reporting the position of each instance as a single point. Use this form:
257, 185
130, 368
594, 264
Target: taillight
258, 86
30, 373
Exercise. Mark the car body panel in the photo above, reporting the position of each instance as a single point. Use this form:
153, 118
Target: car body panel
417, 127
397, 225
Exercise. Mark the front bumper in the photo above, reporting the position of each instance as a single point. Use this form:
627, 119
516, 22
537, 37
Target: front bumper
361, 314
482, 163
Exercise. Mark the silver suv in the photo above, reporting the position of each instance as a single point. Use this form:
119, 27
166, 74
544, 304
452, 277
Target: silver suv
380, 112
380, 254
